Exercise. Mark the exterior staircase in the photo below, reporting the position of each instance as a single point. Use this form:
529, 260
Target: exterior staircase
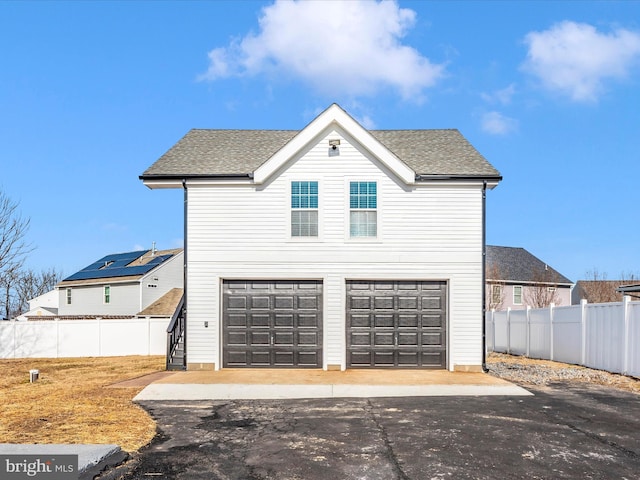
176, 336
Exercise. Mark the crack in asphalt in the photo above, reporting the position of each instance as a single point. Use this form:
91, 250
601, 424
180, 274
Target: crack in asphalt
391, 454
599, 438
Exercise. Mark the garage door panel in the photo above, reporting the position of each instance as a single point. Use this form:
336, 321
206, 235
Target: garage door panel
237, 338
272, 323
433, 321
361, 303
308, 320
282, 338
283, 320
382, 339
237, 320
259, 320
360, 321
260, 303
239, 302
408, 339
396, 324
360, 338
309, 358
307, 338
259, 338
406, 320
384, 358
408, 358
308, 303
432, 339
383, 320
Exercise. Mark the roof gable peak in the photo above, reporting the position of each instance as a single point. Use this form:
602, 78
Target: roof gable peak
334, 115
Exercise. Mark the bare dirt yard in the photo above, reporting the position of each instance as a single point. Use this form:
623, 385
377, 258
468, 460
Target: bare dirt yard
529, 371
72, 401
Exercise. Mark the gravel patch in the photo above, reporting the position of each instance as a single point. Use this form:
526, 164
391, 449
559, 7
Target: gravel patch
528, 371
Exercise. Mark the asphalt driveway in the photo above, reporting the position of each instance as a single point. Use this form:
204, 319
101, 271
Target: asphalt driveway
564, 431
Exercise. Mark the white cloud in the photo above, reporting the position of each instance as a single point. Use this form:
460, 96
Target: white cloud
338, 47
502, 96
497, 124
575, 59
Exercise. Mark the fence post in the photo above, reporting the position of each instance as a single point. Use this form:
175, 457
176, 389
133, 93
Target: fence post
552, 306
509, 330
627, 335
583, 324
527, 336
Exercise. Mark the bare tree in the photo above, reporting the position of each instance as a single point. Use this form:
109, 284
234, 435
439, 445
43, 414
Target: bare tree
30, 284
598, 289
543, 291
494, 288
13, 248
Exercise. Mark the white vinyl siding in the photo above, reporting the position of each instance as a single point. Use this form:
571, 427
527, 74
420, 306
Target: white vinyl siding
432, 231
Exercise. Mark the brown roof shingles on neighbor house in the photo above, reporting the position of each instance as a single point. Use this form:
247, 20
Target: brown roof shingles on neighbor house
202, 153
165, 306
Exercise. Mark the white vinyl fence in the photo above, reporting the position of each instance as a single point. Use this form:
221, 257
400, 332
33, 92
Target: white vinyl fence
83, 338
605, 336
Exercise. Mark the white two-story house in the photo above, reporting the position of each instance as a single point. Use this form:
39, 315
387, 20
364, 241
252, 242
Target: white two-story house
332, 247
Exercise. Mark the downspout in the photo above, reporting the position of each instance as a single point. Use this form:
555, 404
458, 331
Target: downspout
484, 275
184, 269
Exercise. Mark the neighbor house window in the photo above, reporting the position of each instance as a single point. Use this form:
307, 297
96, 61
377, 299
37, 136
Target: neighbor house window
304, 209
107, 293
68, 296
517, 295
496, 294
363, 204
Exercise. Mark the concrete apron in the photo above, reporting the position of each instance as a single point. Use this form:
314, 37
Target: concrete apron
264, 384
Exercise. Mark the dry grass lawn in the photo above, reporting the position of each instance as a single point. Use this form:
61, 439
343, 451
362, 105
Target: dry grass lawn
71, 403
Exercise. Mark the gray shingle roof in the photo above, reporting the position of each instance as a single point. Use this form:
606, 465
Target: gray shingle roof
514, 264
240, 152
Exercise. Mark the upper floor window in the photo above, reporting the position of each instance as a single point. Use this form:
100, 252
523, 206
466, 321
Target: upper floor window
496, 294
304, 209
517, 294
363, 204
107, 294
68, 296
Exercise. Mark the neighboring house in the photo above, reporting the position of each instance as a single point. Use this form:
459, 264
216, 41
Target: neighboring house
632, 291
45, 305
121, 284
331, 247
516, 279
600, 291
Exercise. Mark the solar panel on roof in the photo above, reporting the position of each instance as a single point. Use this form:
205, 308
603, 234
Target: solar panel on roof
116, 266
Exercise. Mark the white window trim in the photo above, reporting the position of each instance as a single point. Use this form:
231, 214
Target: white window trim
521, 294
347, 212
68, 296
104, 294
320, 209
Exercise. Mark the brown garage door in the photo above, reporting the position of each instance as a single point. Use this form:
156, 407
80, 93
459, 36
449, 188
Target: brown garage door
398, 324
272, 323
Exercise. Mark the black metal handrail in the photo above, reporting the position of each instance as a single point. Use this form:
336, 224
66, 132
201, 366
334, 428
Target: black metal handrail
175, 333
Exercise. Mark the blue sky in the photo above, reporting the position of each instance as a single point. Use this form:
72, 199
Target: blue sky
92, 93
